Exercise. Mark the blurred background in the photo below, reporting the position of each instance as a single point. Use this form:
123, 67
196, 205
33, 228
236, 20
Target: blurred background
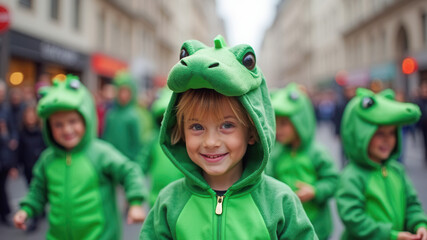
331, 47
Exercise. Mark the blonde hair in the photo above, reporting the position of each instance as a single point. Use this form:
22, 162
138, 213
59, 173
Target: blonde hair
206, 103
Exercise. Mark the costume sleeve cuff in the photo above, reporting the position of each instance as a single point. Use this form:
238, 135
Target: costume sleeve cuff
28, 210
423, 224
135, 202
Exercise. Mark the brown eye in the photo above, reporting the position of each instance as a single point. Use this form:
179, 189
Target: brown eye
183, 53
249, 61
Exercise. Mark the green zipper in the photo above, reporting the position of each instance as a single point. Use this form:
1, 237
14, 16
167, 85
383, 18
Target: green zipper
384, 173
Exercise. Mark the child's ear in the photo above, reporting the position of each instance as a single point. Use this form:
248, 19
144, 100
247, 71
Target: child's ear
251, 140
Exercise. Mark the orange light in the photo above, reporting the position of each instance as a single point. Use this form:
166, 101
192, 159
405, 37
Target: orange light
16, 78
61, 77
409, 65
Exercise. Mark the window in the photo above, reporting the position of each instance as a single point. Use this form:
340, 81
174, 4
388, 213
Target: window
26, 3
424, 30
54, 9
77, 7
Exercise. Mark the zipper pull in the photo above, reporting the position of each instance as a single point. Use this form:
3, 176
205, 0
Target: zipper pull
68, 159
219, 200
384, 171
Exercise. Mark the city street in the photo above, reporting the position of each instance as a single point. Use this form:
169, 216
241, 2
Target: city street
415, 166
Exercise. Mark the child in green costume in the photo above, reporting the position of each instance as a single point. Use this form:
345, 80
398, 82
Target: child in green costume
157, 165
299, 161
123, 121
218, 130
375, 198
77, 174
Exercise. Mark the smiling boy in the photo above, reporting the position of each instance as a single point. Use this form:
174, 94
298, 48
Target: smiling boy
218, 130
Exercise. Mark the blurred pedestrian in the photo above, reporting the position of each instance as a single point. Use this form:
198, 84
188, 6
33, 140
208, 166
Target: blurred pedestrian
105, 101
78, 173
299, 161
8, 144
123, 121
375, 197
31, 145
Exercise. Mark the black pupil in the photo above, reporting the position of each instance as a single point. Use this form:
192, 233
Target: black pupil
249, 61
367, 102
183, 53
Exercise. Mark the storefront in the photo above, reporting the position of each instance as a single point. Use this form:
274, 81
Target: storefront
106, 67
32, 58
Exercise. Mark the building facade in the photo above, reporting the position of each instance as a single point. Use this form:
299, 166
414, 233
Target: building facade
94, 39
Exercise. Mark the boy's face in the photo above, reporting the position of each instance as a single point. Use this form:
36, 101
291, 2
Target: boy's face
217, 146
67, 128
285, 131
382, 143
124, 95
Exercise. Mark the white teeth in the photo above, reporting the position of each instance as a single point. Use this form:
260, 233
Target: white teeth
214, 156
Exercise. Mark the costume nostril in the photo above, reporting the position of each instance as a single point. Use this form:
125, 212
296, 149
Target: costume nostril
183, 63
409, 110
214, 65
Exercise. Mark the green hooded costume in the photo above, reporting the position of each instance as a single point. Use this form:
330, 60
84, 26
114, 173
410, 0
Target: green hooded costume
311, 163
254, 207
376, 200
157, 165
123, 123
79, 184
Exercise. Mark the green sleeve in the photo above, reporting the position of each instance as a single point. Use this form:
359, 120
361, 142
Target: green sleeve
282, 211
351, 208
327, 175
35, 200
296, 224
127, 173
415, 216
161, 220
134, 132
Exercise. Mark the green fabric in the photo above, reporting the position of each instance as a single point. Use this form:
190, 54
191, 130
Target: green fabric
311, 163
79, 184
221, 68
376, 201
123, 123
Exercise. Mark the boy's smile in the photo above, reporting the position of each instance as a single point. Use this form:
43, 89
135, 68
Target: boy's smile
67, 128
217, 146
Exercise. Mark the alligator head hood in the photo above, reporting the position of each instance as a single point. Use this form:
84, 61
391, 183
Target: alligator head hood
293, 103
159, 106
231, 71
66, 96
362, 116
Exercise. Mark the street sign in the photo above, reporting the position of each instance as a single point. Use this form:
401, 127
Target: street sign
4, 19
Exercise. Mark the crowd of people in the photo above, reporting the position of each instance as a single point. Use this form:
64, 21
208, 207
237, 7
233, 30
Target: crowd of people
218, 154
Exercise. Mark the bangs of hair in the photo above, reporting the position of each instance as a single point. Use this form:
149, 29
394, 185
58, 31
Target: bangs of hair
206, 103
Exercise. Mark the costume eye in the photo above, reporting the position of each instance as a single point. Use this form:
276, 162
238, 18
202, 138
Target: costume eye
249, 61
183, 54
293, 96
367, 102
75, 84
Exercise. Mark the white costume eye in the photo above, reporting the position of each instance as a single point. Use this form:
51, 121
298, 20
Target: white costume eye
367, 102
75, 84
293, 96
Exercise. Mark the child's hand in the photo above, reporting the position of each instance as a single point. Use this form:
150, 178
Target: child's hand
305, 192
19, 219
422, 233
136, 214
407, 236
